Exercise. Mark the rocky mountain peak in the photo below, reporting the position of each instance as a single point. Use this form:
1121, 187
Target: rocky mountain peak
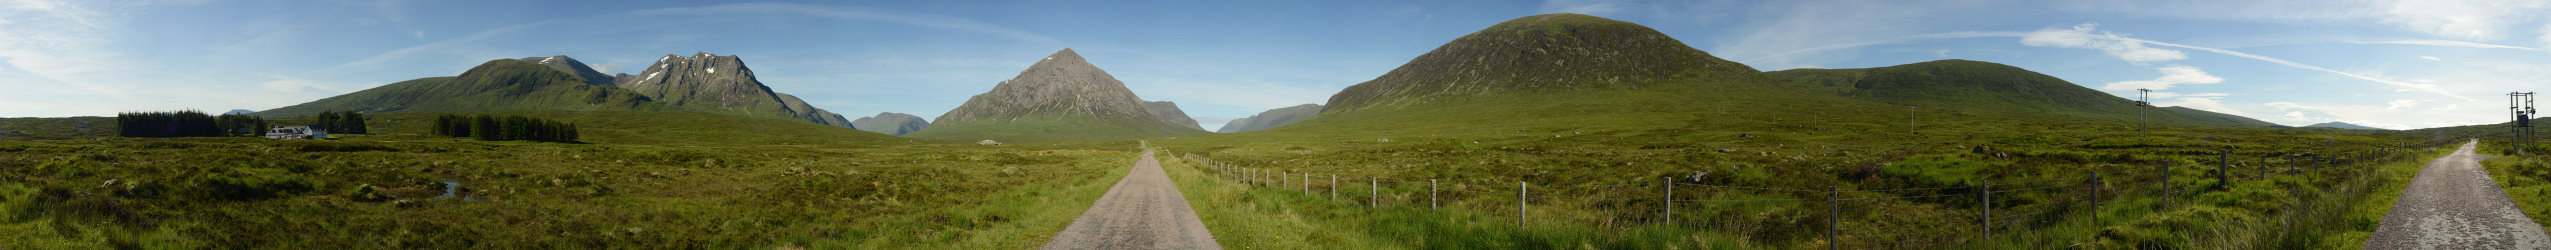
714, 83
1062, 84
719, 80
1059, 97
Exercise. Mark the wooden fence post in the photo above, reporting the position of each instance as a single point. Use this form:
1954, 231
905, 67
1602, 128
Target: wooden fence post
1377, 192
2165, 184
1668, 216
1833, 217
1333, 187
1430, 194
2223, 172
2094, 197
1987, 198
1523, 201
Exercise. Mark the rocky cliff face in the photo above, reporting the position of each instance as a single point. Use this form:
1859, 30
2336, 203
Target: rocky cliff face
573, 67
1169, 111
891, 123
1541, 53
720, 84
1271, 119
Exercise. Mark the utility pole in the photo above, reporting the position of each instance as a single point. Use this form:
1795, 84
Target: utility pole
2521, 104
1908, 121
2142, 114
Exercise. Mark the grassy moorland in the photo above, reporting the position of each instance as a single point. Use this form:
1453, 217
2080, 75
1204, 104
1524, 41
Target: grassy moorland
1726, 134
63, 128
638, 179
2527, 180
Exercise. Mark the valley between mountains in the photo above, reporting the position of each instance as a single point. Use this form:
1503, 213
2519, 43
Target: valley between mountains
1538, 132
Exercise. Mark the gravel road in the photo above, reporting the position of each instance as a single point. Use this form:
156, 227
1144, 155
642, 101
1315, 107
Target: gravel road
2454, 205
1143, 211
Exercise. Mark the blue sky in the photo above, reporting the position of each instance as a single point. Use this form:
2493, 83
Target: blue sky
2384, 63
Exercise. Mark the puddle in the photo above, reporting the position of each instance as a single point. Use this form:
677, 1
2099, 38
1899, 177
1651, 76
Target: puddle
450, 188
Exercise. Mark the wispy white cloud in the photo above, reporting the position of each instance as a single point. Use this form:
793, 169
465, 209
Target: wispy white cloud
2429, 88
444, 46
1841, 46
2463, 19
2402, 103
851, 13
2382, 115
61, 41
2481, 20
288, 84
1782, 34
2124, 47
2083, 36
2546, 35
2431, 58
2203, 103
2447, 43
2170, 77
70, 59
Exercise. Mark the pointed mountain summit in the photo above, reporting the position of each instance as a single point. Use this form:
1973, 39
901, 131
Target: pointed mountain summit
1061, 97
1169, 111
721, 84
1550, 52
571, 66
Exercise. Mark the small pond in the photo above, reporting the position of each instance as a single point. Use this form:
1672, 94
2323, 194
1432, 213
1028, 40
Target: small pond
451, 188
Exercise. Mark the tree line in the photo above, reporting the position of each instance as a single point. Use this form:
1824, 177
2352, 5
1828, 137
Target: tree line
343, 122
192, 123
187, 123
505, 128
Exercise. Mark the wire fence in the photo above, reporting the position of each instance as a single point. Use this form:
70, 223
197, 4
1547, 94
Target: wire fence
1917, 217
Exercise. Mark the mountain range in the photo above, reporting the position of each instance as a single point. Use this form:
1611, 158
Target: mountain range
1989, 86
1571, 70
2343, 125
502, 84
891, 123
674, 83
1541, 70
1271, 118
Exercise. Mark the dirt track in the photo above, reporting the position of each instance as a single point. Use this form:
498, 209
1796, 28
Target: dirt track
2454, 205
1143, 211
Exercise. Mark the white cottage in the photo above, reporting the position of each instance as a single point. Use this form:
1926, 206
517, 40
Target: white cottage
297, 132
